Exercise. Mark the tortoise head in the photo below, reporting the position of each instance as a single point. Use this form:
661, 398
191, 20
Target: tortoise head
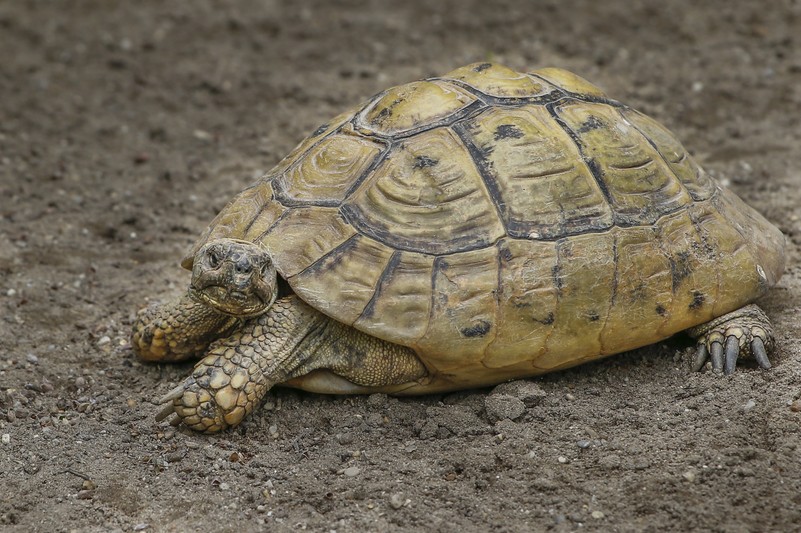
235, 277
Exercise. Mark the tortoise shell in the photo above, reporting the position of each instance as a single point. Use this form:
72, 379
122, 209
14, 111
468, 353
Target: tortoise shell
504, 224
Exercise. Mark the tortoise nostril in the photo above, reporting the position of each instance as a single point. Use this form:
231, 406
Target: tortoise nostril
243, 266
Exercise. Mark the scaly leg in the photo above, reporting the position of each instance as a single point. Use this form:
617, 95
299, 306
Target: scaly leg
178, 330
289, 341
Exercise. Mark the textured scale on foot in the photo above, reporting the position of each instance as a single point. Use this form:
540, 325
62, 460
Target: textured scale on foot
458, 232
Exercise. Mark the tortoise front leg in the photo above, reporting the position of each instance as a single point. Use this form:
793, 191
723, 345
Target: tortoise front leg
288, 342
178, 330
742, 332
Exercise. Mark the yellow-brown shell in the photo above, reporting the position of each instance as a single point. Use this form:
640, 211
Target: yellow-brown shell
505, 224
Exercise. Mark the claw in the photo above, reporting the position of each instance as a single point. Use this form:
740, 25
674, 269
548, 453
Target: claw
717, 356
759, 352
732, 351
177, 392
166, 411
701, 355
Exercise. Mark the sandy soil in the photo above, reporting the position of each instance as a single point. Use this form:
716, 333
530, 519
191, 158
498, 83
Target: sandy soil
125, 126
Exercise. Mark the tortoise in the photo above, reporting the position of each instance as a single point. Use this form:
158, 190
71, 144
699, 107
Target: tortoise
458, 232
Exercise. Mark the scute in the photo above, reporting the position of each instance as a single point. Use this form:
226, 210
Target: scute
426, 196
568, 81
342, 283
640, 185
401, 306
505, 224
545, 188
692, 176
328, 170
418, 104
497, 80
302, 237
464, 313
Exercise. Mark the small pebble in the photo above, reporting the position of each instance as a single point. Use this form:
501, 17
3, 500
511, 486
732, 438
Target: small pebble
6, 438
598, 515
31, 358
396, 501
85, 494
80, 382
88, 484
562, 459
795, 406
175, 457
689, 475
750, 404
224, 486
141, 527
583, 444
352, 471
102, 341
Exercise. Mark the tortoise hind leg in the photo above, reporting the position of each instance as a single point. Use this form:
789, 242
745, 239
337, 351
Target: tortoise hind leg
348, 361
742, 332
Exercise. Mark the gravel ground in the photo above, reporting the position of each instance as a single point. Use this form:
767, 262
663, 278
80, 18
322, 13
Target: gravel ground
125, 126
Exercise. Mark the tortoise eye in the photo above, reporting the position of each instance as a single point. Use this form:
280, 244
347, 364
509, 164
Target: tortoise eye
213, 256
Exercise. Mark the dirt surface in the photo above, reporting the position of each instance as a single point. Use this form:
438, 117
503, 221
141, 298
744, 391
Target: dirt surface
125, 126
